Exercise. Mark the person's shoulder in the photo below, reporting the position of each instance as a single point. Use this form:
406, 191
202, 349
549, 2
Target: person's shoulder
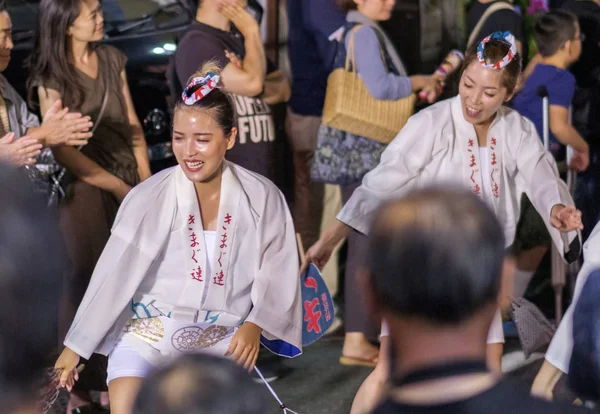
150, 186
110, 51
439, 112
7, 89
363, 32
565, 77
260, 190
514, 121
199, 33
560, 83
252, 180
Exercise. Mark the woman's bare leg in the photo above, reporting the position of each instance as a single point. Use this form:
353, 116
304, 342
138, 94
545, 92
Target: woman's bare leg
494, 357
545, 381
122, 393
372, 389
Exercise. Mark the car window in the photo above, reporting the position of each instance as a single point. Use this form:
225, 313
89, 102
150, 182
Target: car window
24, 12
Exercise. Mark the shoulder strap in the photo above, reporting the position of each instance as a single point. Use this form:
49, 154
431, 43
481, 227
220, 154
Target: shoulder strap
490, 10
350, 53
106, 76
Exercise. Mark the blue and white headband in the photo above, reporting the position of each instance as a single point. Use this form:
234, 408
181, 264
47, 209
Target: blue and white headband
209, 83
510, 55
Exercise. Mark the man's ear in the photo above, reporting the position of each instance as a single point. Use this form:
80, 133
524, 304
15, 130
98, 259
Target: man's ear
365, 284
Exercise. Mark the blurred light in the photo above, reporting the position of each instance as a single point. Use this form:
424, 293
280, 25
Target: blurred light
170, 47
158, 50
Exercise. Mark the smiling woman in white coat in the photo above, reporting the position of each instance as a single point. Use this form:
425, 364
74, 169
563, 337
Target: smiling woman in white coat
475, 141
202, 258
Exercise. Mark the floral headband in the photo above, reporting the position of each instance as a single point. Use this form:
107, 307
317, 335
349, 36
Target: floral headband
209, 83
510, 55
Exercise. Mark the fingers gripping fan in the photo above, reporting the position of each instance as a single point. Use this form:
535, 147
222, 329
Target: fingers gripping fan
317, 306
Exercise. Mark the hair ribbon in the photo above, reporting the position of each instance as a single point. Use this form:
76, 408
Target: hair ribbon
510, 55
209, 83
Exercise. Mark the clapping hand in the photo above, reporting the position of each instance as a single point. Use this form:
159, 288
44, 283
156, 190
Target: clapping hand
566, 219
20, 152
64, 128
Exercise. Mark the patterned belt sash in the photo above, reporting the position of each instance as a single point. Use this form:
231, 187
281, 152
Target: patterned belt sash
187, 338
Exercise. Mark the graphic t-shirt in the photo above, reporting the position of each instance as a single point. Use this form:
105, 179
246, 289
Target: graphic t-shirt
560, 84
254, 148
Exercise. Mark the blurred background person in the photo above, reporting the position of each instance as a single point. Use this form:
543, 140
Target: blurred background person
435, 265
67, 64
32, 263
200, 384
382, 71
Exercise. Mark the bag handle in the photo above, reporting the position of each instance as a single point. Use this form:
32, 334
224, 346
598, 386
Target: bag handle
351, 55
104, 102
490, 10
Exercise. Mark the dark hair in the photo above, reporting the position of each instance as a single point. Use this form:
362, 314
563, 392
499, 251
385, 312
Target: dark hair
493, 52
436, 254
200, 384
218, 102
49, 58
347, 5
2, 6
552, 29
32, 264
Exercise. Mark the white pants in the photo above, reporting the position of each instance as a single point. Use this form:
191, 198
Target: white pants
495, 335
133, 357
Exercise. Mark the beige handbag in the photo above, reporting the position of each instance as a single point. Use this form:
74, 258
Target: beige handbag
349, 106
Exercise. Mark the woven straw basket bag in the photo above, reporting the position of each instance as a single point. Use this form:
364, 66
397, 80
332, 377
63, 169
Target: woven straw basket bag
349, 106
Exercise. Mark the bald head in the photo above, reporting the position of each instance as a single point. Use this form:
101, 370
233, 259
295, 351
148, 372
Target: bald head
436, 254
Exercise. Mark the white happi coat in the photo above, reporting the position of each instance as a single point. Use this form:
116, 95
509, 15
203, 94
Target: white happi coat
560, 349
437, 146
253, 277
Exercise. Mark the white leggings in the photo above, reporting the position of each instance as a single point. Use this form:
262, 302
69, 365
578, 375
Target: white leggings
125, 361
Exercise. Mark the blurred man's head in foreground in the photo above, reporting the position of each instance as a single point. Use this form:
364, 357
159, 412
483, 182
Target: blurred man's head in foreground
436, 256
200, 384
32, 262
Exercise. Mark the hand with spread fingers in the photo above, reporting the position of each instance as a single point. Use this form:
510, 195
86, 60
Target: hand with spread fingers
19, 152
245, 345
61, 127
239, 16
67, 362
566, 219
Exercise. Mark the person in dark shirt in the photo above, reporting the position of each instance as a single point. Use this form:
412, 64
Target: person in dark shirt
311, 23
434, 268
504, 20
225, 32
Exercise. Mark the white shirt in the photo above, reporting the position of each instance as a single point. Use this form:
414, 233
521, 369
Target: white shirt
486, 180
